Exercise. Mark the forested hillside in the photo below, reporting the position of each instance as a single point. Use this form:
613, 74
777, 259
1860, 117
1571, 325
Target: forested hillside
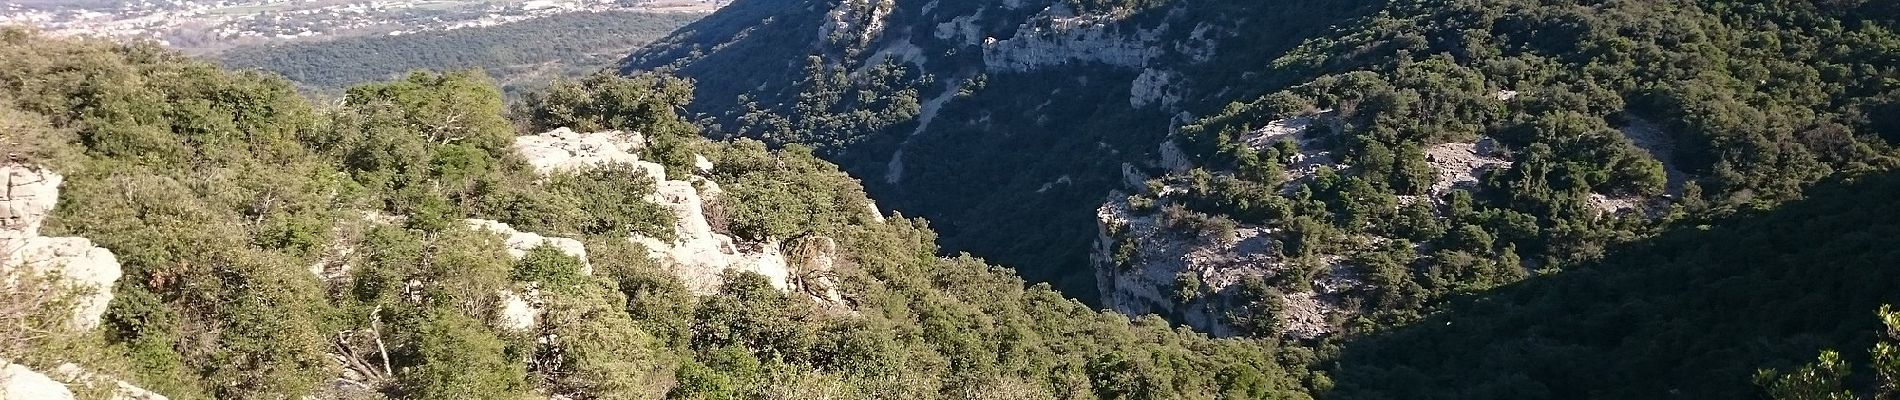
1007, 147
1691, 313
1395, 152
1340, 172
275, 248
522, 56
1204, 199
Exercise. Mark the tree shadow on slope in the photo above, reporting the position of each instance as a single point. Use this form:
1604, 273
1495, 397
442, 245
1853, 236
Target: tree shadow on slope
734, 49
1689, 314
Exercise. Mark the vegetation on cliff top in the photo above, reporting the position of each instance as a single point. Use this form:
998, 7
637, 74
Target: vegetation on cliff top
219, 191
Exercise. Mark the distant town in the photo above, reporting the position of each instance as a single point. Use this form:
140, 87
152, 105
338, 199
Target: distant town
208, 26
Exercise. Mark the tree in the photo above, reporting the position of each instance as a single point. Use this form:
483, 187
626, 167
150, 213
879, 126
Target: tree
1822, 380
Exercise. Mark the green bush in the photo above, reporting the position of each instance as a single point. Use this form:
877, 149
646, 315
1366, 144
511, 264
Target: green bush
455, 357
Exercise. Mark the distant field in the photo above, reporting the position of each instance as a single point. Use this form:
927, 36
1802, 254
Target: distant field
519, 55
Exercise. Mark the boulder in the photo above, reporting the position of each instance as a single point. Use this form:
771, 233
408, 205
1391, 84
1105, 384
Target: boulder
17, 382
78, 262
26, 199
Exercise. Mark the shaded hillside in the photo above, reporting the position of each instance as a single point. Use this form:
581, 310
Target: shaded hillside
1689, 314
1379, 156
1003, 122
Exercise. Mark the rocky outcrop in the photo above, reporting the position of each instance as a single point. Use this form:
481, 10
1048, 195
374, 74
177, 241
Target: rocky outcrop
813, 260
696, 254
519, 312
1313, 154
17, 382
1462, 165
120, 390
1155, 87
856, 21
1073, 42
26, 199
1059, 36
520, 243
1144, 281
1141, 261
699, 256
564, 150
1173, 158
28, 196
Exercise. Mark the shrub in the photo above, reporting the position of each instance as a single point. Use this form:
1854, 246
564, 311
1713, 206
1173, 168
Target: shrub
455, 357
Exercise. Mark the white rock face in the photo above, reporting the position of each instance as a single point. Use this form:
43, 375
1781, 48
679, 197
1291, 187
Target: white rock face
1173, 158
857, 20
815, 257
518, 312
27, 197
1133, 178
1155, 87
75, 260
1146, 285
17, 382
876, 214
121, 390
1058, 36
1035, 48
563, 150
697, 254
962, 27
520, 243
